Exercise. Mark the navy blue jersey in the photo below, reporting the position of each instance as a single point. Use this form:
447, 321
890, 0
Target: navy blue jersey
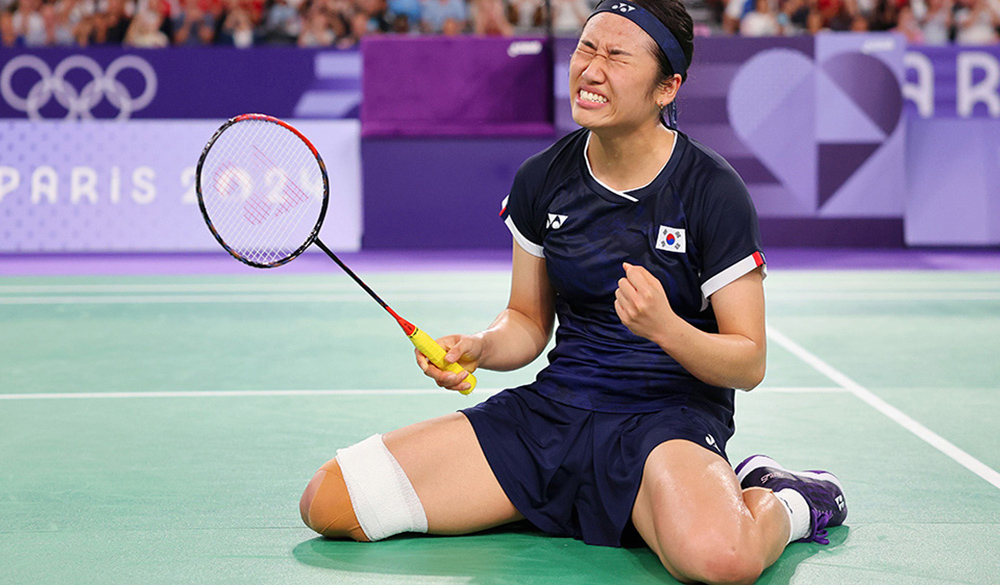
693, 227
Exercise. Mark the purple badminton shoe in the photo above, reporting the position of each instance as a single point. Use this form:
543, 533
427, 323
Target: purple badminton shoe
821, 490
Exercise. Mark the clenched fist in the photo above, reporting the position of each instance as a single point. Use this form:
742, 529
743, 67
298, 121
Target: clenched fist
642, 305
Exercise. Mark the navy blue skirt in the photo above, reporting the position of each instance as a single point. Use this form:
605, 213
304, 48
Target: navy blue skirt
575, 472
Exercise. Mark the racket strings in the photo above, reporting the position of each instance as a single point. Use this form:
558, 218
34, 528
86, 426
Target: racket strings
265, 247
264, 191
258, 244
293, 206
230, 189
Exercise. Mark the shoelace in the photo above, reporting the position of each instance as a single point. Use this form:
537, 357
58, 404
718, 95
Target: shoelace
820, 520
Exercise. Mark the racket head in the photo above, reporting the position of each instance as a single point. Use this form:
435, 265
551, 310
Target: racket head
263, 190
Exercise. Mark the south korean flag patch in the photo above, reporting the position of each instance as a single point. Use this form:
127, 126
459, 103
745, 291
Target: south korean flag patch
671, 239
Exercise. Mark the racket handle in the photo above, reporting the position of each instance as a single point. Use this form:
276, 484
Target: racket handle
436, 353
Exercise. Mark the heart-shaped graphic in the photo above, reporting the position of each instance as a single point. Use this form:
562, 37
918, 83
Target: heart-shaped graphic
813, 127
770, 107
858, 109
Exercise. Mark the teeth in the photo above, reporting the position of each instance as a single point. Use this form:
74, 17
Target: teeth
593, 97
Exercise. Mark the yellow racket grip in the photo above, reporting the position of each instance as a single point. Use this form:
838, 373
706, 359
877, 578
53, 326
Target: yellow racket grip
436, 353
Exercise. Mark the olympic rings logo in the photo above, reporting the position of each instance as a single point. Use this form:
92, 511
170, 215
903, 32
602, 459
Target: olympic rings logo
79, 103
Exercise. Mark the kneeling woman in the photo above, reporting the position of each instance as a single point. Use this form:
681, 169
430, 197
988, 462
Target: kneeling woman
646, 245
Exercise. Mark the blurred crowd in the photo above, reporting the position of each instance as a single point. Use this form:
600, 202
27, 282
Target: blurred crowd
342, 23
932, 22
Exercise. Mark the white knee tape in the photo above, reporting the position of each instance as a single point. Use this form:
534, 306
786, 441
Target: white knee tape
383, 497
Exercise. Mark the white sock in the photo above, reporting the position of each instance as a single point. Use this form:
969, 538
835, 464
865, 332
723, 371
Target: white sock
798, 513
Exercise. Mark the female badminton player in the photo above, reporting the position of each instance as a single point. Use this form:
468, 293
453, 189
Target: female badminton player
645, 244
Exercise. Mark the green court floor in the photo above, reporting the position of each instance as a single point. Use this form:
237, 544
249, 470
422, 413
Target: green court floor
161, 429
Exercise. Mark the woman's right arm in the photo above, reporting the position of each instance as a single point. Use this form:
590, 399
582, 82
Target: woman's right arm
517, 336
522, 330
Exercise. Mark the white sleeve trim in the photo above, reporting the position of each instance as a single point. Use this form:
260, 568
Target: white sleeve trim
528, 246
744, 266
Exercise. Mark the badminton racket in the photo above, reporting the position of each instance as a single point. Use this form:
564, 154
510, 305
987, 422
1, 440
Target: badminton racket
263, 191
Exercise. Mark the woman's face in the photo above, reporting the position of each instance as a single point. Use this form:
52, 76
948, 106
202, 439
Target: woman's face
612, 76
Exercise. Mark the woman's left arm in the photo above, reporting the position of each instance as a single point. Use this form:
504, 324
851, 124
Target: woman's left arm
733, 358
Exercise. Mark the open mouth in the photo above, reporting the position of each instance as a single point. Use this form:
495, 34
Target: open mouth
592, 97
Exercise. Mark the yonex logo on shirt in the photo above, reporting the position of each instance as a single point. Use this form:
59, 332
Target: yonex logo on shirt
556, 221
671, 239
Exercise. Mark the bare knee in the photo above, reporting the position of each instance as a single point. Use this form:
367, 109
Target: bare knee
326, 506
714, 557
305, 502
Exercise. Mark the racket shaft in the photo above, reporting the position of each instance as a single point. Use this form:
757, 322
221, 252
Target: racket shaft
423, 342
434, 352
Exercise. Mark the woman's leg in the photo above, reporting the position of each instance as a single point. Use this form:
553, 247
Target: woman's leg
450, 474
691, 511
446, 467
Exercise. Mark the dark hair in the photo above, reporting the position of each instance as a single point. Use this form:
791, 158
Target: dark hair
675, 17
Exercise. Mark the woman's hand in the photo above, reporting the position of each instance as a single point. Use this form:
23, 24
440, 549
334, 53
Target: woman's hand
642, 305
516, 337
464, 349
735, 357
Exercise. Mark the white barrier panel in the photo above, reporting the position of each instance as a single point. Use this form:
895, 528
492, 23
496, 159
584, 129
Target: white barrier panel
102, 186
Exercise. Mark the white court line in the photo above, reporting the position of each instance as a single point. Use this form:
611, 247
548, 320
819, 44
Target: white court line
890, 285
800, 390
255, 286
930, 437
346, 392
856, 296
358, 296
234, 393
258, 295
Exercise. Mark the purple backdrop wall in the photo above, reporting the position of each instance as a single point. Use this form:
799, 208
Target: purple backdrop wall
179, 83
812, 125
490, 86
953, 82
953, 167
939, 214
72, 179
439, 193
816, 126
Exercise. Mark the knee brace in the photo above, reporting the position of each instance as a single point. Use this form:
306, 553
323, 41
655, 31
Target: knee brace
383, 498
